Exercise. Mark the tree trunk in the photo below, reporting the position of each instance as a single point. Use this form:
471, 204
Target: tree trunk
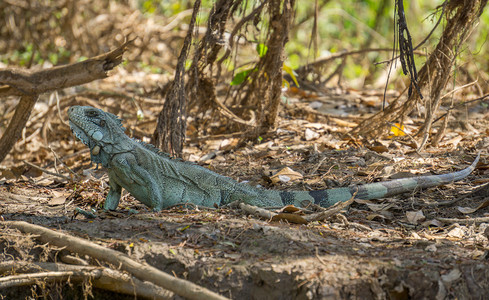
169, 134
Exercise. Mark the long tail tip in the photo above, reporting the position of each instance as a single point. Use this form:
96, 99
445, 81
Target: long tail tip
476, 161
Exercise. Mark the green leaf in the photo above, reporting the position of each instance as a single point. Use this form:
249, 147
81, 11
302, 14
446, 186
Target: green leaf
184, 228
149, 7
291, 72
261, 49
241, 77
53, 58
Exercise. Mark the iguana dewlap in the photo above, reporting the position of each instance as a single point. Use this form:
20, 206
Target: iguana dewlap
159, 181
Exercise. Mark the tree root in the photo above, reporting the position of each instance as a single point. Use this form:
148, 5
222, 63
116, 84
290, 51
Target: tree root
141, 271
102, 278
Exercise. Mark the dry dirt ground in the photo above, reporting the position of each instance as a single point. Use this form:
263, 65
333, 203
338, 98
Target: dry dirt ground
396, 248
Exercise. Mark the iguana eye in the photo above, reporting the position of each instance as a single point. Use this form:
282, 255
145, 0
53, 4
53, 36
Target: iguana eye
102, 123
91, 113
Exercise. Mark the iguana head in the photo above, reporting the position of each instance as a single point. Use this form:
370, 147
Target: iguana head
102, 132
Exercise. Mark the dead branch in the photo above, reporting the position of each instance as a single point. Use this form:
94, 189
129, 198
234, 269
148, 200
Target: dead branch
29, 84
105, 278
320, 216
14, 129
257, 211
26, 82
446, 203
81, 246
322, 61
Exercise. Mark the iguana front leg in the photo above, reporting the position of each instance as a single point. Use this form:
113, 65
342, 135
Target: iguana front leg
114, 195
125, 171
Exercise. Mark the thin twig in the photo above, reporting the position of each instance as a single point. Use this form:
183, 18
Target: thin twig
320, 259
320, 216
459, 88
314, 170
64, 165
322, 61
481, 98
464, 221
446, 203
46, 171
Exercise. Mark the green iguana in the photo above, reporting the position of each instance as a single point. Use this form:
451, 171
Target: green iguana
159, 181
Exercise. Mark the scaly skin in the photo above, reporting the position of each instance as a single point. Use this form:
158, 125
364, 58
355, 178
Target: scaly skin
159, 181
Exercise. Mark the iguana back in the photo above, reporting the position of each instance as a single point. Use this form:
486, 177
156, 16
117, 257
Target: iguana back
159, 181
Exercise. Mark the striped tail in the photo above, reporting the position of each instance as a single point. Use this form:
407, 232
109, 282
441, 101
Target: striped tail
378, 190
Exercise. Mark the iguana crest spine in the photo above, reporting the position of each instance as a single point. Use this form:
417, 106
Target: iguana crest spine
159, 181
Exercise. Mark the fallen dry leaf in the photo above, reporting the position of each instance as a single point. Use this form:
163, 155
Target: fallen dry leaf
453, 142
469, 210
432, 222
290, 209
310, 135
286, 175
414, 217
371, 217
379, 148
228, 144
456, 232
291, 218
397, 130
344, 123
58, 198
57, 201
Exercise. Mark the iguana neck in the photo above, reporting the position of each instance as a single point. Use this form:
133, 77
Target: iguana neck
103, 151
